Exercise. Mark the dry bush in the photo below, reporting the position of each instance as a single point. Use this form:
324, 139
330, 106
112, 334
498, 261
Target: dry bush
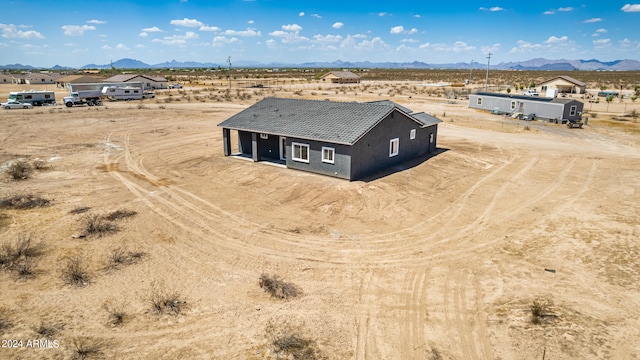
116, 312
5, 319
291, 342
540, 308
48, 331
86, 348
21, 256
278, 288
39, 164
97, 224
23, 201
74, 273
165, 300
19, 170
121, 256
120, 214
80, 210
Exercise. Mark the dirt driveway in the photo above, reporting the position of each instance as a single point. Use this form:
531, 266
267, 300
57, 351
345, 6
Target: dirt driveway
442, 260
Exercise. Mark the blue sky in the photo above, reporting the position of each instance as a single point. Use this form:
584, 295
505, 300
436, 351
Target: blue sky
46, 33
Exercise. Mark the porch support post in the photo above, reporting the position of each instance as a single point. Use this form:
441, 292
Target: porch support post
255, 151
226, 140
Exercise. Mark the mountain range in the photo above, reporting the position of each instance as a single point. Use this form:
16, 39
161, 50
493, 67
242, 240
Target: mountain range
533, 64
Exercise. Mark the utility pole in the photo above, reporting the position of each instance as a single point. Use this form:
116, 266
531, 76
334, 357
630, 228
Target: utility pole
229, 72
471, 72
486, 84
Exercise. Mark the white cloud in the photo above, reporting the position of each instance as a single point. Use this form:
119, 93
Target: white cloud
219, 41
327, 39
105, 47
549, 12
316, 16
301, 13
599, 32
187, 23
556, 40
400, 30
337, 25
248, 33
592, 20
121, 47
631, 8
457, 47
209, 28
177, 39
96, 22
152, 29
601, 43
76, 30
10, 31
292, 27
382, 14
143, 34
250, 22
417, 16
493, 8
565, 9
375, 44
525, 46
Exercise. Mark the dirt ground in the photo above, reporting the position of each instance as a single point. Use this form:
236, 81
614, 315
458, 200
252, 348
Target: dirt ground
440, 260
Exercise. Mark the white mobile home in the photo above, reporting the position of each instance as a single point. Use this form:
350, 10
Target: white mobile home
557, 109
122, 92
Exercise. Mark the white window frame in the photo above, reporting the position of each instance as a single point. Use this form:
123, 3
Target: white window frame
330, 159
573, 110
431, 138
394, 149
479, 101
264, 136
294, 157
412, 134
513, 105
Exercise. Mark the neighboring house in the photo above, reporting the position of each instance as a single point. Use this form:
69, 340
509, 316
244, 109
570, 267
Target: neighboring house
341, 77
545, 108
65, 81
148, 82
347, 140
4, 79
563, 85
37, 79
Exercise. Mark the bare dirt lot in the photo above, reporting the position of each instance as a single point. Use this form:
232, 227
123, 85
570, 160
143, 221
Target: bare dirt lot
442, 260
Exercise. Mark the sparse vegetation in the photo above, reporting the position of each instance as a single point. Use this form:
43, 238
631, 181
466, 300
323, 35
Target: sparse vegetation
80, 210
74, 273
86, 348
278, 288
116, 312
23, 201
120, 214
21, 257
290, 341
104, 224
165, 300
48, 331
540, 308
5, 319
121, 256
19, 170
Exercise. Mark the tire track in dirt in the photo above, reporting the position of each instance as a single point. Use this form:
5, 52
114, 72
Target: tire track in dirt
364, 315
414, 314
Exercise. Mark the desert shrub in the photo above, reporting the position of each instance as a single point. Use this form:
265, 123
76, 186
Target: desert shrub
25, 269
5, 319
540, 308
97, 224
80, 210
120, 256
115, 311
165, 300
86, 348
47, 331
278, 288
120, 214
19, 170
39, 164
20, 257
290, 342
74, 273
23, 201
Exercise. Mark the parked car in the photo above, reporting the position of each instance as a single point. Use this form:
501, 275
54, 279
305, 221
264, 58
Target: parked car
175, 86
16, 105
531, 92
148, 95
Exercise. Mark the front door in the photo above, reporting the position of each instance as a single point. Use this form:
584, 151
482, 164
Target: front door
283, 148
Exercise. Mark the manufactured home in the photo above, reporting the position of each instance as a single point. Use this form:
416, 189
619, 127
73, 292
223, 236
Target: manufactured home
33, 97
552, 109
347, 140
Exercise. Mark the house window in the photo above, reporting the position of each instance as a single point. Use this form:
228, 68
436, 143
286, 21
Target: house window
479, 101
431, 138
394, 145
513, 105
572, 110
412, 134
300, 152
328, 154
264, 136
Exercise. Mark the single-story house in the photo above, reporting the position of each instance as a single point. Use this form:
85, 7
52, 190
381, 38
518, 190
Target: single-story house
347, 140
65, 81
563, 85
42, 78
148, 82
545, 108
341, 77
4, 79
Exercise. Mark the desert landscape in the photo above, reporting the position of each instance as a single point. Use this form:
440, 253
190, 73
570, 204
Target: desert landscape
126, 234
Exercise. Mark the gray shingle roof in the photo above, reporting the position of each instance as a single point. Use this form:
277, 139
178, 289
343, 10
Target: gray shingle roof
329, 121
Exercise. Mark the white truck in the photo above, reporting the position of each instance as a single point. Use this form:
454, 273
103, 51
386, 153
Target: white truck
33, 97
83, 97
